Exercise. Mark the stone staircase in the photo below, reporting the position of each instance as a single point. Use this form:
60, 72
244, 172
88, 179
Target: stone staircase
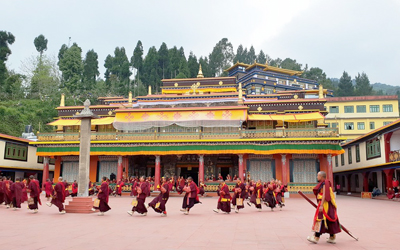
81, 205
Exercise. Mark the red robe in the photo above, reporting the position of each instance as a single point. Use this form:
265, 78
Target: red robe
120, 184
48, 188
16, 192
141, 198
103, 196
257, 194
59, 196
224, 201
74, 189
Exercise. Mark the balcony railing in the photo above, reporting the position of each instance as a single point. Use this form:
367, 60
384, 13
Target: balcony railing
242, 134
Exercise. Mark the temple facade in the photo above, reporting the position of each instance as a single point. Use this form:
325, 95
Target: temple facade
202, 127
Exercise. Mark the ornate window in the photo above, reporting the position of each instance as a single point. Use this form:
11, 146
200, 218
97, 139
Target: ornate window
373, 148
15, 151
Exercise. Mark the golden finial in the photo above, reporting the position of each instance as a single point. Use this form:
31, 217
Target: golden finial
266, 62
321, 92
62, 102
149, 90
200, 74
130, 97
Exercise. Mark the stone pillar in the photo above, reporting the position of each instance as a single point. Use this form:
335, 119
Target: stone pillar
45, 170
84, 157
365, 181
241, 168
119, 168
201, 168
157, 173
389, 178
284, 169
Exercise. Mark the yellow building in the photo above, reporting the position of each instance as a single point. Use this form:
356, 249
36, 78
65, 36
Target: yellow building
357, 115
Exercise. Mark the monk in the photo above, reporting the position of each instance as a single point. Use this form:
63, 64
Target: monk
34, 193
133, 188
141, 191
239, 196
48, 188
1, 191
66, 185
58, 196
224, 201
158, 203
7, 192
257, 194
118, 189
280, 193
74, 189
103, 196
191, 197
24, 191
201, 189
91, 188
269, 195
16, 192
325, 219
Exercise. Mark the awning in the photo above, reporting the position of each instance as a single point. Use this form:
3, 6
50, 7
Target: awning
77, 122
287, 117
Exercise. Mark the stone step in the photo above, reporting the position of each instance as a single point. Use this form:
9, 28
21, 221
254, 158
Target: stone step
79, 211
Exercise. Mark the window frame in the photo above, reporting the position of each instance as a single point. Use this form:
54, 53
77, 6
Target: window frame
358, 125
386, 106
349, 109
373, 110
359, 106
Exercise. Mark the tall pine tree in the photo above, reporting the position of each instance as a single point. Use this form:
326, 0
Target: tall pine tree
90, 70
363, 86
345, 87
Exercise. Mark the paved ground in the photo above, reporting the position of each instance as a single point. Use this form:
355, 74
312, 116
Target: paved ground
373, 221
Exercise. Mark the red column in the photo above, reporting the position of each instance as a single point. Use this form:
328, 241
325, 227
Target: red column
284, 170
329, 168
389, 178
365, 181
241, 168
349, 183
45, 170
387, 145
201, 168
119, 168
157, 173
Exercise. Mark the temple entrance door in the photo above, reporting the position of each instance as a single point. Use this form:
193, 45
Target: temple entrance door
192, 172
224, 172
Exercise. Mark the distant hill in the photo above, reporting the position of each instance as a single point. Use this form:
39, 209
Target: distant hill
386, 88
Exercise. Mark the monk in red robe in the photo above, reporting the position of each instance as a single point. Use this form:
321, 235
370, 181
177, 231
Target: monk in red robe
1, 191
239, 196
24, 191
138, 205
158, 203
202, 192
257, 195
224, 201
118, 189
7, 192
66, 185
269, 195
16, 192
91, 188
280, 194
58, 196
34, 193
325, 219
191, 197
103, 196
133, 188
48, 189
74, 189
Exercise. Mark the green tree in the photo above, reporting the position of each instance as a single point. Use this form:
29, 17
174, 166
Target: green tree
90, 70
42, 77
261, 58
363, 86
205, 66
118, 72
6, 39
150, 69
163, 60
174, 61
137, 58
221, 57
71, 67
276, 62
251, 56
239, 55
345, 87
40, 44
13, 88
289, 63
193, 65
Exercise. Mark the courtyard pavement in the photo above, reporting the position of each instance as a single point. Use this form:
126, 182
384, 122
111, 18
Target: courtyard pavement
373, 221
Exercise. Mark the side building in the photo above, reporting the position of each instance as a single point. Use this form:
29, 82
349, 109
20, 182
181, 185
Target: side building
369, 161
355, 116
19, 159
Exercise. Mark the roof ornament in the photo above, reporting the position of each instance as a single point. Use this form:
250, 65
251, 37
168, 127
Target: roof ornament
62, 102
149, 90
200, 74
321, 92
130, 97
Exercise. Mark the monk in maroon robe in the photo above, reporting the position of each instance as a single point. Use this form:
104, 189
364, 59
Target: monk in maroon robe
34, 193
58, 196
1, 191
16, 192
180, 185
325, 219
66, 185
224, 201
269, 195
103, 196
201, 189
138, 205
48, 188
133, 188
118, 189
257, 195
191, 197
24, 191
239, 196
7, 192
280, 193
91, 188
74, 189
158, 203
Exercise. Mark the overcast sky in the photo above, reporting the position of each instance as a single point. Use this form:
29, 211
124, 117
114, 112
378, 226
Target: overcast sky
347, 35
